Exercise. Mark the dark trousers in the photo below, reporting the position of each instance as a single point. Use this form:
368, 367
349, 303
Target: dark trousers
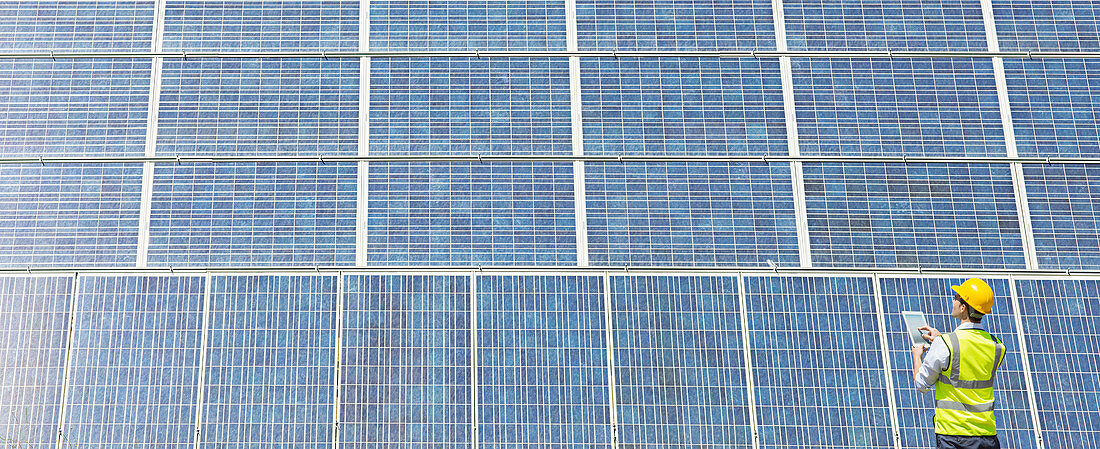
965, 442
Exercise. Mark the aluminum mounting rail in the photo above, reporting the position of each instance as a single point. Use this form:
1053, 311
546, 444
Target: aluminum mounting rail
783, 158
336, 54
619, 269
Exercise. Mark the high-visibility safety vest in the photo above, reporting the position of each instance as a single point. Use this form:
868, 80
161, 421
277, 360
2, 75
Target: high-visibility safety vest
964, 391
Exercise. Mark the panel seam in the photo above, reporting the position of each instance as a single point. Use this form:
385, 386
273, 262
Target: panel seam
887, 369
200, 392
580, 203
362, 144
612, 399
63, 407
152, 122
749, 383
798, 189
1026, 363
473, 361
337, 369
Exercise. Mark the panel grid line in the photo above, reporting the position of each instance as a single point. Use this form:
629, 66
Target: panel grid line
68, 363
201, 391
338, 349
881, 314
1028, 379
745, 348
613, 404
473, 363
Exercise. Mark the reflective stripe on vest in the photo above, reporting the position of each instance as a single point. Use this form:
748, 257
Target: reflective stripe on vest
965, 407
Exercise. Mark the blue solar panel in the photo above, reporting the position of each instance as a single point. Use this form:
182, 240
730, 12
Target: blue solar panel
91, 107
281, 25
679, 362
916, 107
675, 25
1062, 318
405, 370
270, 362
467, 25
1055, 103
884, 25
69, 215
687, 106
542, 362
915, 410
1047, 25
817, 363
694, 214
467, 213
76, 25
912, 215
34, 326
133, 380
253, 214
1064, 201
470, 106
259, 107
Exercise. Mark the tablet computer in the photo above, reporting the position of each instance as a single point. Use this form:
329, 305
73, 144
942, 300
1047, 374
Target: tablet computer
913, 322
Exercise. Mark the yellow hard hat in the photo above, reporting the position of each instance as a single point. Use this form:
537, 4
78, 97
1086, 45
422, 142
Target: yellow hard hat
976, 293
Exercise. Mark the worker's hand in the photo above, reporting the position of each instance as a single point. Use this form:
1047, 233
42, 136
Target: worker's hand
918, 351
932, 333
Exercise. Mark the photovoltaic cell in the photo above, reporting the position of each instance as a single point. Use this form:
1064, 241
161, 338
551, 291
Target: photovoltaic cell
912, 215
100, 26
893, 107
915, 410
679, 362
670, 25
34, 326
405, 371
253, 214
1055, 103
1062, 318
467, 25
817, 363
470, 106
236, 107
79, 215
281, 25
270, 362
1064, 203
86, 107
467, 213
1047, 25
915, 25
133, 380
690, 213
542, 362
682, 106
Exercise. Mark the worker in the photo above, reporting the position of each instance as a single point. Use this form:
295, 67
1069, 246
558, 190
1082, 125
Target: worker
961, 366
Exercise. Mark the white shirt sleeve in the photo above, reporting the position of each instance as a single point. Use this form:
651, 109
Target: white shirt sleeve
935, 360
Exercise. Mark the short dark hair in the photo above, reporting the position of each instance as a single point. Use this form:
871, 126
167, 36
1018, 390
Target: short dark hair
974, 314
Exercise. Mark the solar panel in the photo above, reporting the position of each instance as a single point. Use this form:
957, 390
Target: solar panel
405, 370
934, 296
261, 25
675, 25
893, 107
542, 371
270, 362
1062, 318
67, 25
1047, 25
72, 215
1054, 105
93, 107
133, 379
468, 213
285, 107
1064, 201
691, 214
912, 215
688, 106
470, 106
467, 25
884, 25
817, 362
34, 326
254, 214
679, 362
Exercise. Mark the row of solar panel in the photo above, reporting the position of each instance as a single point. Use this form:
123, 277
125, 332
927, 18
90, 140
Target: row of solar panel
253, 360
523, 214
1060, 25
678, 106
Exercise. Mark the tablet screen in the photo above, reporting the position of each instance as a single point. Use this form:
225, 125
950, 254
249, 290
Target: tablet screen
913, 322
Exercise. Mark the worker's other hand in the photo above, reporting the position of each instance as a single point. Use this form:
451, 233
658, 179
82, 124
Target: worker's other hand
919, 350
932, 333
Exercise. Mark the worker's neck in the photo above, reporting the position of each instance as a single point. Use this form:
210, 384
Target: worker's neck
967, 320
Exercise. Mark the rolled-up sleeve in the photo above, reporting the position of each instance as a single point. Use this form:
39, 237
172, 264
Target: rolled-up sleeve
934, 362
